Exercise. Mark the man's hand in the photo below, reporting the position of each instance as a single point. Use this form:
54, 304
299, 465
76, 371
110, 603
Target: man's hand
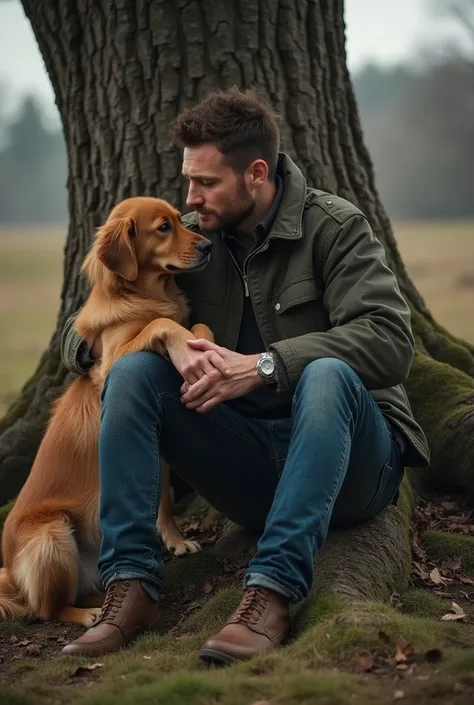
209, 390
193, 364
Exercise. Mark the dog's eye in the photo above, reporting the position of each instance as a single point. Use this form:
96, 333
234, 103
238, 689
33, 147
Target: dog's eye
164, 227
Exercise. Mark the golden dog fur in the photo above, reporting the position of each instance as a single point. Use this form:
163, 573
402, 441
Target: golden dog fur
51, 537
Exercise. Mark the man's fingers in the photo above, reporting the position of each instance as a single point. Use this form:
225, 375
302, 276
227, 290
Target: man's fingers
218, 363
203, 344
196, 391
191, 377
202, 399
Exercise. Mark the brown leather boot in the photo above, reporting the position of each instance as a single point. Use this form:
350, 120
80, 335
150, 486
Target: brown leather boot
127, 612
260, 623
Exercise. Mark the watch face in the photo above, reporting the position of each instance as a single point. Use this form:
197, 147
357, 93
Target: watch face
267, 366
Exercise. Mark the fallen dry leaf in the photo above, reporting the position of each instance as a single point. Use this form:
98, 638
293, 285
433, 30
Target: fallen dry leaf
398, 695
13, 639
365, 661
435, 576
451, 565
25, 642
466, 579
448, 505
33, 650
403, 651
147, 658
85, 669
456, 614
207, 588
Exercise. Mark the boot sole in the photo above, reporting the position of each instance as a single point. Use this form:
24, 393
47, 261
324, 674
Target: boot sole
216, 657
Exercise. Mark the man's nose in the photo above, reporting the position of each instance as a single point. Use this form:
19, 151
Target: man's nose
194, 198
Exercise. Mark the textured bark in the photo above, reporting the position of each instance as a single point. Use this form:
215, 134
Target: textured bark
121, 71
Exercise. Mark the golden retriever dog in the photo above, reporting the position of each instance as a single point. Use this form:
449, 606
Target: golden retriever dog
51, 538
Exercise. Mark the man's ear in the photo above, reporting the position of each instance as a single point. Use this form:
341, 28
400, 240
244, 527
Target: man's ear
259, 171
116, 248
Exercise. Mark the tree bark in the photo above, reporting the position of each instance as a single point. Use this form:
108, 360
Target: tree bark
121, 71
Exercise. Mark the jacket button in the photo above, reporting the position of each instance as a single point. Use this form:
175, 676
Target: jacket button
277, 307
329, 203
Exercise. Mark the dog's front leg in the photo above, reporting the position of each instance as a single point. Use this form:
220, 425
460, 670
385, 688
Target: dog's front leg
165, 523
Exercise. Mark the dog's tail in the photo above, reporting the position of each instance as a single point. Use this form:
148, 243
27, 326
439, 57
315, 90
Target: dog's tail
46, 566
12, 604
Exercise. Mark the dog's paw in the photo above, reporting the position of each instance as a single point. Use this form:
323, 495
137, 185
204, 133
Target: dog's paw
90, 615
183, 546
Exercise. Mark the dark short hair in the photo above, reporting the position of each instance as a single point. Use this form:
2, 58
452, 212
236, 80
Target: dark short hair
240, 123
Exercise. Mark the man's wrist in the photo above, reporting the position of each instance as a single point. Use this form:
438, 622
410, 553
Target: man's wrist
253, 372
265, 367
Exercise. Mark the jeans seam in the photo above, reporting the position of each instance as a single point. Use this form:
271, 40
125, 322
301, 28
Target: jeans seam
277, 458
157, 484
336, 482
219, 423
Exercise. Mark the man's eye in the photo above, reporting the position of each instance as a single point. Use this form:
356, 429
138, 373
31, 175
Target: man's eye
208, 183
164, 227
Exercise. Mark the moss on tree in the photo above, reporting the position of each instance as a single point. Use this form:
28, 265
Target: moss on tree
442, 398
441, 545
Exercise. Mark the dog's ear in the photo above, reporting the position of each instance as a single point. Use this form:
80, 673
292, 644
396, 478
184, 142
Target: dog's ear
116, 249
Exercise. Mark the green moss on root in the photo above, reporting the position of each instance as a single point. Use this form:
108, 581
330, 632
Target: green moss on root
422, 603
442, 399
443, 346
441, 545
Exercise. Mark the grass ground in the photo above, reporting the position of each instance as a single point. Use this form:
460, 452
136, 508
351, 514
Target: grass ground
340, 653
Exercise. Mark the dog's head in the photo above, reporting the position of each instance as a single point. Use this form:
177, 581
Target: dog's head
144, 235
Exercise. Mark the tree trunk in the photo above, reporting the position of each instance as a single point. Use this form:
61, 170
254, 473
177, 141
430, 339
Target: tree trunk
121, 71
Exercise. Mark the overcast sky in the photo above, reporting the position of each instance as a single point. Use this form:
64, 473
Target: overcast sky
384, 30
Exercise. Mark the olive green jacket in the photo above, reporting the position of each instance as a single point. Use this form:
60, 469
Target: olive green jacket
320, 287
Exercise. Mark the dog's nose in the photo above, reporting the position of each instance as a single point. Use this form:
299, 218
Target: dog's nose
205, 247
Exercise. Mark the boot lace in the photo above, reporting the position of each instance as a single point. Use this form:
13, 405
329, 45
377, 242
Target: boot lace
252, 607
113, 601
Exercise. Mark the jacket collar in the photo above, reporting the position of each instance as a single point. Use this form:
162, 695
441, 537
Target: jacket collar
289, 218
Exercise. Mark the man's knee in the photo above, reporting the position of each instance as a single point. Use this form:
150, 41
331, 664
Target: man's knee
328, 375
135, 372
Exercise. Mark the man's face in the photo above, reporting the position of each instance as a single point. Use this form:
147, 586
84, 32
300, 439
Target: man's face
222, 198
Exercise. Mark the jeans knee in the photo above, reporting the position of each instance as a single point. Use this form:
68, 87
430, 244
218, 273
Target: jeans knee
328, 373
136, 371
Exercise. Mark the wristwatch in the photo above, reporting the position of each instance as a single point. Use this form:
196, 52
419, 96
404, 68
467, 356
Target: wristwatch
266, 367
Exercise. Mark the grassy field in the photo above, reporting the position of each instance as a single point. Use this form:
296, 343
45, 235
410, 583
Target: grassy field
439, 257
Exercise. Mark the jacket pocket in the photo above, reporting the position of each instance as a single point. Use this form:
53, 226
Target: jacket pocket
294, 294
298, 309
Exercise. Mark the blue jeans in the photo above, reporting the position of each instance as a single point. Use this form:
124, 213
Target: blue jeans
334, 461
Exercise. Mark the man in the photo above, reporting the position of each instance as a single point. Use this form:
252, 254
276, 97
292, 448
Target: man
311, 426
